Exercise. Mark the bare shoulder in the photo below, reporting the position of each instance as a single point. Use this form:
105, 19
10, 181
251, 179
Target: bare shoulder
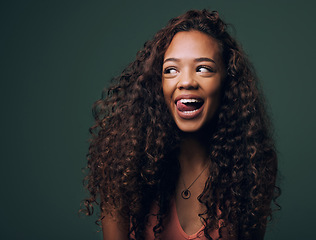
114, 227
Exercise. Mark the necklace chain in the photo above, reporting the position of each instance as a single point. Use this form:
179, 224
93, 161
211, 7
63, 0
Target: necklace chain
186, 194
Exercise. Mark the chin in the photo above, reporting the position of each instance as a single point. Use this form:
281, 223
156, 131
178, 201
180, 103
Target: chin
189, 127
203, 127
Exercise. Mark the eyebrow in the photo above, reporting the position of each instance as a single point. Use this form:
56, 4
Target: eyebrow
171, 60
202, 59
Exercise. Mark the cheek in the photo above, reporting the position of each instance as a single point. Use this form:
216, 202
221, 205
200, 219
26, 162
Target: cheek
213, 88
213, 95
215, 100
167, 91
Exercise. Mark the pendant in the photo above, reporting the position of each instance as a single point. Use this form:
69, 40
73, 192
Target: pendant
186, 194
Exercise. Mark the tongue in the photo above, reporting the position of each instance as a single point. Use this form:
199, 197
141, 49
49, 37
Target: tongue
187, 107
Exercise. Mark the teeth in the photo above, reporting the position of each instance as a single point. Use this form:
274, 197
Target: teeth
191, 100
190, 111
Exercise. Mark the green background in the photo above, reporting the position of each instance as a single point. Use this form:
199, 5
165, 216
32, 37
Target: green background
57, 56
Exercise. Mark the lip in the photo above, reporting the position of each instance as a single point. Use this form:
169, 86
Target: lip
188, 96
189, 114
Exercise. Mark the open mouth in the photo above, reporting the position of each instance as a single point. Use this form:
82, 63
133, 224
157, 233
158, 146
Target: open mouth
189, 105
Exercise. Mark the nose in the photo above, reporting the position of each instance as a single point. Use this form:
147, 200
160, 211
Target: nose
187, 81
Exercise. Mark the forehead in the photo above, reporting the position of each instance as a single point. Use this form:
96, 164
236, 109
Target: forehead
193, 44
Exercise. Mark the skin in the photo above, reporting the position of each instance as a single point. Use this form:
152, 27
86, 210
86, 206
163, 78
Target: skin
114, 227
192, 68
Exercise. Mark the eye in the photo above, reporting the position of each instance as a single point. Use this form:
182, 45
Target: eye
204, 69
170, 70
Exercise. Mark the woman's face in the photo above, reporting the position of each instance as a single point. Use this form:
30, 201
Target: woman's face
191, 79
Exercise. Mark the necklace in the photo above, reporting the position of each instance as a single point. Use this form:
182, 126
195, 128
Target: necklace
186, 194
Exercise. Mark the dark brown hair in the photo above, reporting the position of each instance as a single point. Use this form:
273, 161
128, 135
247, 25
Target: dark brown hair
131, 159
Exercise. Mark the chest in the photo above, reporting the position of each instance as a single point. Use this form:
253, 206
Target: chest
188, 207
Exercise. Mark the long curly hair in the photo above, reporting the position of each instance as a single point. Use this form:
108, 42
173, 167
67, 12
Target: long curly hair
132, 160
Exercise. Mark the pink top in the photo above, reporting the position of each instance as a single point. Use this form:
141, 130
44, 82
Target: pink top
172, 228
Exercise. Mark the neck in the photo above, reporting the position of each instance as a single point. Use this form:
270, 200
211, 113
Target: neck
193, 154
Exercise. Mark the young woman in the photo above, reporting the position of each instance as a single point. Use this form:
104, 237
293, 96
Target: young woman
181, 147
